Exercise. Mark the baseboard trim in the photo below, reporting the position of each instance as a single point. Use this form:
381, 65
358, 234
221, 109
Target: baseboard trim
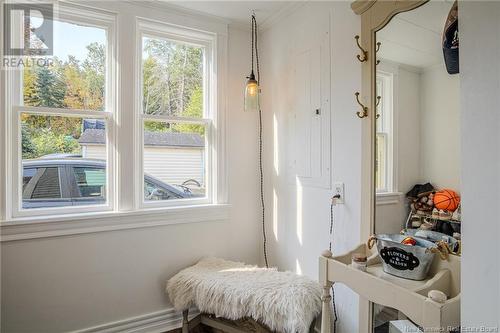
155, 322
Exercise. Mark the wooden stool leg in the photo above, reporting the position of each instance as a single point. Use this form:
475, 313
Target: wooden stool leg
185, 321
326, 319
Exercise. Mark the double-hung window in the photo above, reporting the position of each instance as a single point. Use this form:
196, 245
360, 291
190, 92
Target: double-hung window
89, 133
50, 106
175, 119
384, 162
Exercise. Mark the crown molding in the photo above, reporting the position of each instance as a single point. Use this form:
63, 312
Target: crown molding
284, 12
265, 24
164, 4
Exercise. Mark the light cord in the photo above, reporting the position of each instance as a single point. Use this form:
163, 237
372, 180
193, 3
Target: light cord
261, 168
253, 43
330, 248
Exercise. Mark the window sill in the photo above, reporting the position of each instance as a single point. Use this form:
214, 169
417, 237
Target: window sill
72, 224
388, 198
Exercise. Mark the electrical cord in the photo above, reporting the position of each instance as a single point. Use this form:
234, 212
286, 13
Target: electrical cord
330, 248
261, 168
334, 310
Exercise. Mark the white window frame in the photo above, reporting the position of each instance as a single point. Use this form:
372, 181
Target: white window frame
387, 108
207, 41
71, 14
125, 210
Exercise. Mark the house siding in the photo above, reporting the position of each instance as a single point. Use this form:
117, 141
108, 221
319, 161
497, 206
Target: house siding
170, 165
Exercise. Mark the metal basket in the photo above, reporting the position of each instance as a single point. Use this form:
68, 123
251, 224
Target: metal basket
406, 261
435, 237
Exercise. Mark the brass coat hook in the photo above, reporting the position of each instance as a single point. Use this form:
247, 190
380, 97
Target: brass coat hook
376, 51
376, 104
364, 109
365, 53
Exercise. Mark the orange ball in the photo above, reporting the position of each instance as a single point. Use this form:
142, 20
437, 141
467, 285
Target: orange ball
409, 241
446, 200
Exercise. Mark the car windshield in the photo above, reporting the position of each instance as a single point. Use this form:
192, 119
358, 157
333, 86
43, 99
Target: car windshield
155, 192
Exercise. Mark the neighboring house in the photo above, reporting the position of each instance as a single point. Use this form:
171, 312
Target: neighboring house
170, 157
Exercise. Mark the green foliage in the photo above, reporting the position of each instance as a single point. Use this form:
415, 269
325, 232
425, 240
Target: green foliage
94, 74
29, 85
171, 73
48, 142
193, 110
156, 126
75, 86
67, 84
28, 148
49, 89
172, 85
195, 106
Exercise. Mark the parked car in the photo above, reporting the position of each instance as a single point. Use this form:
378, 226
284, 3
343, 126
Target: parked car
61, 180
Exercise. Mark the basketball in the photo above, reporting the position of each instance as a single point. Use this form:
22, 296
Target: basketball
446, 200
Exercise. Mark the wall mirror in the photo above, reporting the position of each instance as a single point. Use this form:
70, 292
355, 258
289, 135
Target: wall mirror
417, 133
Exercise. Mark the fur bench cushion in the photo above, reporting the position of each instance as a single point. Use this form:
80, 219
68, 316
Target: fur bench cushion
283, 301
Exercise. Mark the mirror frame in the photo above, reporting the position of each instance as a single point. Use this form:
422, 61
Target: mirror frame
375, 14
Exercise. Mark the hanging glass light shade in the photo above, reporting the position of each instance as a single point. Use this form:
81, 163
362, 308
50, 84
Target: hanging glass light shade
251, 94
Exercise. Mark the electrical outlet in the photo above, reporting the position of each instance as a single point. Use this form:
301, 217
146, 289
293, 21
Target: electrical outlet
338, 192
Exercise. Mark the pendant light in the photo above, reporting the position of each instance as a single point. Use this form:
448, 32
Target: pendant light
252, 89
252, 103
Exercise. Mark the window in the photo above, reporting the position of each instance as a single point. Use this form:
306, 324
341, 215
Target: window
51, 112
384, 172
66, 123
176, 117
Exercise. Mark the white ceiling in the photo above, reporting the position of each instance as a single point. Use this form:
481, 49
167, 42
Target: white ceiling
237, 12
414, 38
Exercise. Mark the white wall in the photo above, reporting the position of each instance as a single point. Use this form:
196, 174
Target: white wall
440, 127
480, 157
391, 214
72, 282
298, 215
408, 129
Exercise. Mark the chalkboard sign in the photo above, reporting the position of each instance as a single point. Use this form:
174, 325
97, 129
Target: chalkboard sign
399, 258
